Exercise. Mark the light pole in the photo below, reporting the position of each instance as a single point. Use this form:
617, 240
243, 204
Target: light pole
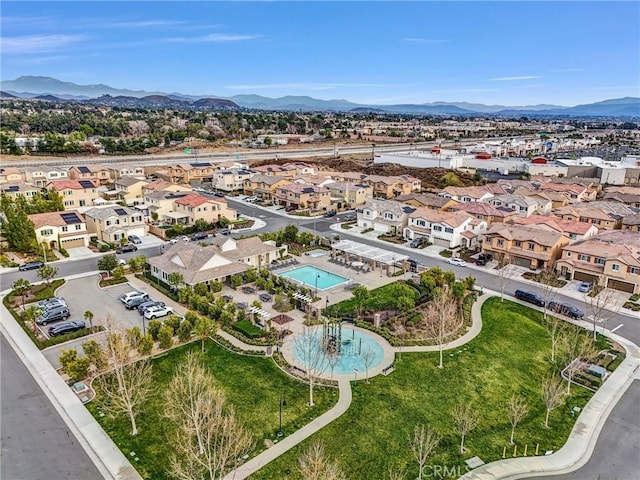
281, 404
317, 277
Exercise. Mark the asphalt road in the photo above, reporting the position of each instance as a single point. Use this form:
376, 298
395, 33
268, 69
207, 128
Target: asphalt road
617, 452
36, 443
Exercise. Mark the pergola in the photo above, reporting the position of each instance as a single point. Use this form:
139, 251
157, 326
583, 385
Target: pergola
367, 252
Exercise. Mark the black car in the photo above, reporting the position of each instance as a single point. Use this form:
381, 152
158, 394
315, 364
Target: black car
136, 302
530, 297
566, 309
218, 194
129, 247
198, 236
31, 266
330, 213
265, 297
65, 327
53, 314
150, 303
242, 305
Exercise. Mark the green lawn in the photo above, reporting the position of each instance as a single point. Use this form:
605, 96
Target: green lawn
510, 355
381, 298
252, 385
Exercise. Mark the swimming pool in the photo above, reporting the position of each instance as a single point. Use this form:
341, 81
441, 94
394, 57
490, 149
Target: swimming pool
309, 275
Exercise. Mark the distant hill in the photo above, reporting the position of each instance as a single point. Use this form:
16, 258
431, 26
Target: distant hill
34, 86
6, 95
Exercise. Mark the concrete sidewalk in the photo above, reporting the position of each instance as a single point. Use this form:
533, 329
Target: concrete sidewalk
287, 443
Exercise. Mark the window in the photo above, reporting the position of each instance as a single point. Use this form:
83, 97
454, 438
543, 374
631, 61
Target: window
448, 230
500, 243
615, 267
600, 261
531, 246
518, 243
568, 254
83, 203
46, 232
65, 228
633, 270
421, 223
437, 228
78, 226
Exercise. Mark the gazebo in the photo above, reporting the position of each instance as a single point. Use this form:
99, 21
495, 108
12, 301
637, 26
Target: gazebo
367, 254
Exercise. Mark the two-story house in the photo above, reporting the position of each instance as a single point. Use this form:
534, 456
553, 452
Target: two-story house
264, 186
14, 190
384, 216
98, 174
158, 185
130, 190
161, 202
41, 175
75, 193
66, 229
284, 171
573, 229
349, 195
525, 246
604, 215
631, 222
113, 223
467, 194
231, 180
610, 259
11, 175
198, 207
630, 196
521, 205
575, 192
487, 212
191, 172
427, 200
296, 196
120, 170
557, 199
445, 229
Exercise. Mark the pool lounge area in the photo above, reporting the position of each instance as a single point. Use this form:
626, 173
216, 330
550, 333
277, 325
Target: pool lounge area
314, 277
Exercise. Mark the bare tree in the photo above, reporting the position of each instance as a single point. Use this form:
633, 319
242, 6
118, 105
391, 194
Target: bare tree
423, 443
574, 347
368, 356
505, 271
308, 346
554, 328
517, 409
129, 384
552, 393
209, 439
466, 419
601, 308
396, 474
314, 464
548, 290
442, 320
332, 359
138, 128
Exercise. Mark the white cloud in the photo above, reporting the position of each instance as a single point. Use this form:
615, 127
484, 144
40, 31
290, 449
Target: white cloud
38, 43
146, 23
515, 79
423, 41
214, 38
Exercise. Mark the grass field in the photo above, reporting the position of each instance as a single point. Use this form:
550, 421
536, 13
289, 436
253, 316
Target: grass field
509, 356
253, 386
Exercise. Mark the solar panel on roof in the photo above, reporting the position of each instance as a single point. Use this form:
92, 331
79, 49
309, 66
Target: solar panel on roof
12, 188
120, 211
86, 183
197, 165
84, 169
307, 190
70, 218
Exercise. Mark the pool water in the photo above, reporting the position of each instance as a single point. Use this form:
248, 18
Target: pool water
309, 275
353, 340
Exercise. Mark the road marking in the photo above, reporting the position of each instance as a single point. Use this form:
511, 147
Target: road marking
619, 326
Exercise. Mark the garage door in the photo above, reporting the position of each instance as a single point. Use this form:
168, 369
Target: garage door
521, 262
623, 286
72, 242
585, 277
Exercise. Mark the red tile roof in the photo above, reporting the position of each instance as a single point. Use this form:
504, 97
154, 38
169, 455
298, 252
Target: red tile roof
193, 200
72, 184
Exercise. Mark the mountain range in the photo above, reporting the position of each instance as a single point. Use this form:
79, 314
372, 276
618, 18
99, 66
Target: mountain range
48, 88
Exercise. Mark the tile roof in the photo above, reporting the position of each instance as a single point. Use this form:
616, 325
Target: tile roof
485, 209
71, 184
103, 213
556, 223
300, 188
127, 181
193, 200
429, 199
524, 234
53, 219
452, 219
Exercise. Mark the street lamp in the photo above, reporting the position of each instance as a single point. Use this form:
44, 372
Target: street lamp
317, 277
281, 403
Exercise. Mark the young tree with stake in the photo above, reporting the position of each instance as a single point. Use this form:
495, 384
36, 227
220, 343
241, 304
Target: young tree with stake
423, 443
552, 394
516, 410
465, 419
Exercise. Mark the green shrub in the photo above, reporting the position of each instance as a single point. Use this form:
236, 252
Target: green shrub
184, 331
632, 306
133, 336
78, 369
247, 328
145, 345
174, 322
95, 353
446, 253
635, 297
165, 337
153, 327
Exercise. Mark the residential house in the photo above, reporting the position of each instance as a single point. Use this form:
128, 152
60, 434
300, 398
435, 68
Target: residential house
605, 215
190, 172
557, 199
159, 184
630, 197
43, 174
130, 190
264, 186
119, 170
573, 229
299, 196
575, 191
384, 216
161, 202
521, 205
114, 222
66, 229
272, 170
631, 222
525, 246
198, 207
231, 180
15, 189
348, 194
216, 262
445, 229
98, 174
11, 175
75, 193
383, 186
487, 212
427, 200
467, 194
610, 259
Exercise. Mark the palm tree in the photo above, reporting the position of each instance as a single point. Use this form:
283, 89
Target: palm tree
88, 316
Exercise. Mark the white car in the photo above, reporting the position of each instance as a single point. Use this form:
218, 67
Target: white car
177, 239
457, 261
251, 199
157, 312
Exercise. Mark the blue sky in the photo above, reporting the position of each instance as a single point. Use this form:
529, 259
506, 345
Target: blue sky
507, 53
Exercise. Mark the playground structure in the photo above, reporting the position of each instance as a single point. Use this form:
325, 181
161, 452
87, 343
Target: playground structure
333, 342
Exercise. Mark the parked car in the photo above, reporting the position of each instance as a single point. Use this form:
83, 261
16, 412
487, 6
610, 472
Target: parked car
265, 297
290, 208
224, 231
330, 213
530, 297
484, 258
242, 305
31, 266
52, 302
178, 239
417, 242
129, 247
125, 297
251, 199
198, 236
218, 194
136, 301
585, 287
565, 309
157, 312
135, 239
457, 262
149, 303
66, 327
53, 314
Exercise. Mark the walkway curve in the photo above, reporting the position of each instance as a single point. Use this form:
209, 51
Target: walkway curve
287, 443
